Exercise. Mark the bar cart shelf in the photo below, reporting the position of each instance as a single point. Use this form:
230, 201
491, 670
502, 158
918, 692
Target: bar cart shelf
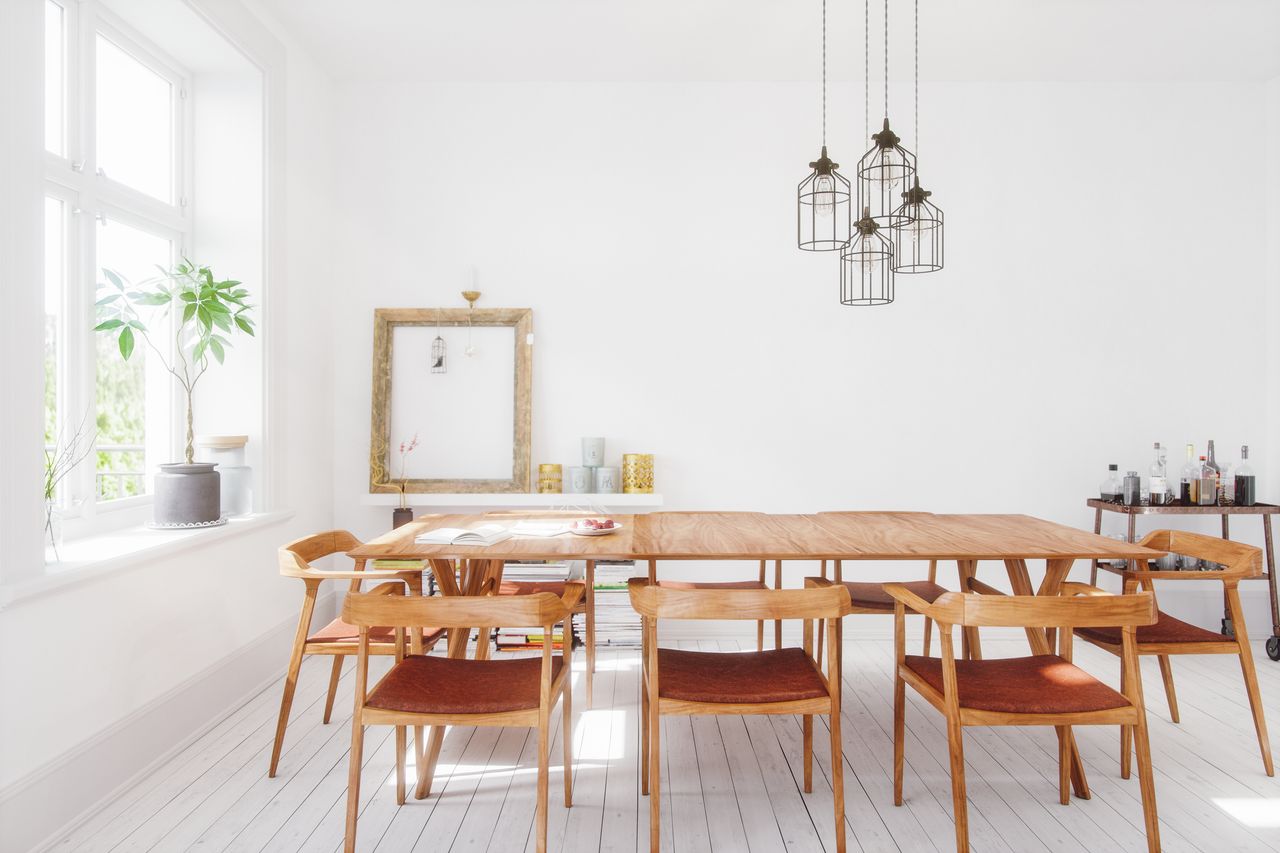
1265, 511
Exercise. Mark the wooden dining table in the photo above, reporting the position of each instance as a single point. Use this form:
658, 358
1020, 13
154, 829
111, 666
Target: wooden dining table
968, 539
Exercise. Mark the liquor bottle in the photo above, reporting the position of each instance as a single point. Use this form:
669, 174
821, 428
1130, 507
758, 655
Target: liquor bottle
1158, 484
1246, 485
1111, 489
1190, 471
1204, 491
1217, 476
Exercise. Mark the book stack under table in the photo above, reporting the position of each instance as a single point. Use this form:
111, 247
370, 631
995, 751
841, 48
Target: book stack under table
617, 624
517, 637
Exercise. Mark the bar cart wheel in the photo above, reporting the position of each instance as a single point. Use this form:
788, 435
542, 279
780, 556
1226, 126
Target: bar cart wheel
1273, 648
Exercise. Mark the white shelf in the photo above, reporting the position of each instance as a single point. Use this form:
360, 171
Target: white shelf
515, 500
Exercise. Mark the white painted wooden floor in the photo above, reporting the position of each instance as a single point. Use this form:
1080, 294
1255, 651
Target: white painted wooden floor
730, 783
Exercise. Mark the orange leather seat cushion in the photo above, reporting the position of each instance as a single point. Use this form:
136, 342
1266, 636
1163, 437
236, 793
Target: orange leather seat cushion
423, 684
556, 588
778, 675
1041, 684
713, 584
338, 631
871, 596
1166, 630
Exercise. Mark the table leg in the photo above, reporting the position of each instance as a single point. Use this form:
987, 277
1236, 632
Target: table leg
1131, 536
591, 625
1269, 544
970, 643
1097, 530
1228, 629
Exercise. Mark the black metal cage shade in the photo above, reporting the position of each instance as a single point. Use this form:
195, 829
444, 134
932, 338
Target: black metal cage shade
823, 207
882, 172
866, 266
918, 242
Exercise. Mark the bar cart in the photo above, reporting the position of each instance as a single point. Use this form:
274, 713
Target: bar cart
1265, 511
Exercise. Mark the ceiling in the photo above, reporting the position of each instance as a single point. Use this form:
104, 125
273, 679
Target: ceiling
777, 40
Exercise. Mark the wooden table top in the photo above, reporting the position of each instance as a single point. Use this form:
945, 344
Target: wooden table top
753, 536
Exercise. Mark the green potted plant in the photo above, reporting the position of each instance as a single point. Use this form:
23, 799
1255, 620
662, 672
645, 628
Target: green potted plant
205, 315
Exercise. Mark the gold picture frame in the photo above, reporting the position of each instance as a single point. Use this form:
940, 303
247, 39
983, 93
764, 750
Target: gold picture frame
385, 322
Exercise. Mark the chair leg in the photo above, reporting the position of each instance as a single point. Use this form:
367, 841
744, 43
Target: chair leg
655, 781
353, 782
777, 623
1064, 765
401, 733
818, 655
928, 635
1126, 732
899, 733
1250, 678
837, 779
808, 753
1147, 783
427, 764
644, 736
544, 735
760, 636
334, 674
1166, 674
567, 735
290, 684
959, 799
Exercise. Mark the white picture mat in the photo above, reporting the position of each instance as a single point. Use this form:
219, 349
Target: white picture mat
464, 418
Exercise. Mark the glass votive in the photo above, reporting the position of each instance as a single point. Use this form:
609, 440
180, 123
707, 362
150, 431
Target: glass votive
580, 481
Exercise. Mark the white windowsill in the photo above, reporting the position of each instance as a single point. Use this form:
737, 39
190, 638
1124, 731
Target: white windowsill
94, 556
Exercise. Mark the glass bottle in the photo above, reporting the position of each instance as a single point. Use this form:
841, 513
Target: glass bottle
1111, 489
1246, 485
1204, 491
1190, 471
1158, 483
1217, 476
1132, 489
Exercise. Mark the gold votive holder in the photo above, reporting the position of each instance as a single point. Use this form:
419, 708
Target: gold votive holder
550, 479
637, 473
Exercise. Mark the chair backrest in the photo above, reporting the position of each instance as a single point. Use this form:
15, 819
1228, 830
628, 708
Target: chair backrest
1043, 611
658, 602
300, 553
366, 610
1239, 559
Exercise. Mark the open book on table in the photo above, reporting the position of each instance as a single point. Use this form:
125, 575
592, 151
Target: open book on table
485, 534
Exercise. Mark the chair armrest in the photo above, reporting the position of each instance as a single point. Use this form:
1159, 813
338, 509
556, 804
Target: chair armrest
573, 593
976, 585
818, 583
390, 588
1077, 588
910, 599
367, 575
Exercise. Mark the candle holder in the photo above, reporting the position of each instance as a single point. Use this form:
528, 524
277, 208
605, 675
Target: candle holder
637, 473
550, 479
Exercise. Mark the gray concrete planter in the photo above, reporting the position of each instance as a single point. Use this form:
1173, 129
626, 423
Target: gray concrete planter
188, 495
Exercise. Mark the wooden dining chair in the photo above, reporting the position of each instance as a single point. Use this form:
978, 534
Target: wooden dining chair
337, 638
760, 583
1171, 636
1040, 690
868, 598
778, 681
423, 690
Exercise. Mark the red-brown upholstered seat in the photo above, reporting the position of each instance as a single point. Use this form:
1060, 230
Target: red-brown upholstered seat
338, 631
1040, 684
713, 584
778, 675
556, 588
871, 596
421, 684
1166, 630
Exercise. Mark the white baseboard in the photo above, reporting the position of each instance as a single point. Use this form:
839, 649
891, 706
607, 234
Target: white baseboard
52, 801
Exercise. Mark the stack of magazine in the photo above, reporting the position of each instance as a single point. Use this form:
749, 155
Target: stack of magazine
516, 637
617, 624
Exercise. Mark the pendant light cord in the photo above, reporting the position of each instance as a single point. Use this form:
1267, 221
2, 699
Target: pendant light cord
886, 58
917, 118
824, 73
866, 68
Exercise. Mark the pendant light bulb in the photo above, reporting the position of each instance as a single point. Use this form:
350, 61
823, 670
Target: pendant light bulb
824, 196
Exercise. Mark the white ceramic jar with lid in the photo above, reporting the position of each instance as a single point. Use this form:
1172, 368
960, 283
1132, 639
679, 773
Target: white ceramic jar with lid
227, 452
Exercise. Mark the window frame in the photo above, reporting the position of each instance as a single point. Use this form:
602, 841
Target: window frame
89, 197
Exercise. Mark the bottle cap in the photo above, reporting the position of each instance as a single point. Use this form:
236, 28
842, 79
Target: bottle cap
1132, 474
1113, 467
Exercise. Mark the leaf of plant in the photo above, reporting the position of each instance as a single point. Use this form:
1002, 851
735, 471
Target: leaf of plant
126, 342
153, 299
202, 314
218, 352
215, 305
187, 296
188, 312
113, 278
222, 321
244, 326
107, 300
137, 324
197, 352
108, 325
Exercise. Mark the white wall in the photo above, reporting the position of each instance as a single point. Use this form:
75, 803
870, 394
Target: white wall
123, 667
651, 229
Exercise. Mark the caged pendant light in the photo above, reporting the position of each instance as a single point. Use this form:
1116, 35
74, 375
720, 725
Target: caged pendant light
918, 232
866, 265
823, 199
887, 166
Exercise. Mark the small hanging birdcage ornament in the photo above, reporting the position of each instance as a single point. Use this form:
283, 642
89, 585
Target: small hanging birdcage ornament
438, 355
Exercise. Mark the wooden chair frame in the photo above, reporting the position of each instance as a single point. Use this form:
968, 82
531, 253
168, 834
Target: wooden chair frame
821, 601
1078, 606
295, 561
393, 608
1242, 562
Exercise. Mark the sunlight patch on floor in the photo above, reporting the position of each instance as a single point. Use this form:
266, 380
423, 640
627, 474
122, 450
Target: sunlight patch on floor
1255, 812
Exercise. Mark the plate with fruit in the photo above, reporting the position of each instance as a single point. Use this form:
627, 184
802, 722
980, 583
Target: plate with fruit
595, 527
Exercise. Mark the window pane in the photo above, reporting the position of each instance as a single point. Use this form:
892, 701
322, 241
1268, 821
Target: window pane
54, 77
54, 277
121, 385
135, 123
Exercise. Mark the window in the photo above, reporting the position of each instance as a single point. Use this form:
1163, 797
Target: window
116, 198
